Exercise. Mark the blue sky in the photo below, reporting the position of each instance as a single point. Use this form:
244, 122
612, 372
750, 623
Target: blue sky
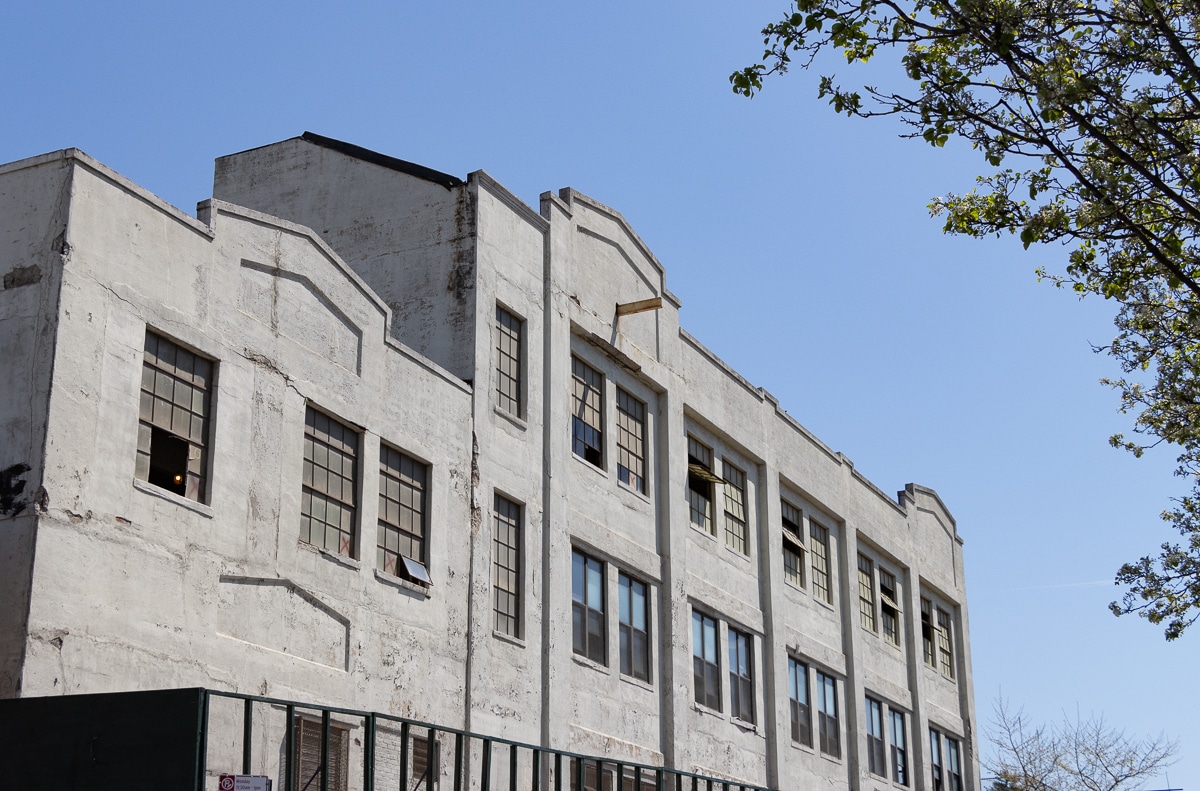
797, 240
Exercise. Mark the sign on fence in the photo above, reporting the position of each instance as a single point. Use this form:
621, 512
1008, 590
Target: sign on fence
244, 783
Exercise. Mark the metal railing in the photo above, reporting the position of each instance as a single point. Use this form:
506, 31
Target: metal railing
389, 759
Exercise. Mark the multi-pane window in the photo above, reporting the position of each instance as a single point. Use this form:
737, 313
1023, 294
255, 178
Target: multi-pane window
927, 645
889, 607
937, 638
876, 754
587, 606
945, 762
506, 566
631, 441
700, 486
172, 450
308, 766
819, 549
945, 644
706, 672
735, 508
827, 715
899, 750
509, 330
935, 761
741, 676
403, 507
329, 494
954, 780
634, 610
866, 592
587, 406
793, 543
798, 702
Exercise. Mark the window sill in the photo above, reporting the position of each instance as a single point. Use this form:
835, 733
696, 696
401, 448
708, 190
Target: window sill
585, 662
401, 583
700, 708
171, 497
744, 725
637, 682
700, 529
737, 553
826, 604
341, 560
593, 467
508, 638
802, 747
627, 488
511, 418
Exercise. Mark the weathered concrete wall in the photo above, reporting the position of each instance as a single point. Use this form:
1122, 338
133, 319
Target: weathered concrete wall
410, 239
507, 671
223, 593
138, 588
34, 197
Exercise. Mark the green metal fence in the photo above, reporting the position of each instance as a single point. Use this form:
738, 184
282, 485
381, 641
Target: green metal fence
306, 747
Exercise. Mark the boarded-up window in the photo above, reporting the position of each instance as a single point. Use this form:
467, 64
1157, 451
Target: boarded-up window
308, 765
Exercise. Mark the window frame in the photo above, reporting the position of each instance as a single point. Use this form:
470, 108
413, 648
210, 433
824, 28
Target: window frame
936, 775
413, 566
937, 637
194, 441
628, 631
309, 493
700, 482
945, 760
510, 362
507, 566
631, 444
889, 606
736, 513
828, 721
898, 743
953, 764
791, 519
585, 612
822, 570
800, 708
944, 628
706, 664
587, 403
876, 752
866, 594
741, 675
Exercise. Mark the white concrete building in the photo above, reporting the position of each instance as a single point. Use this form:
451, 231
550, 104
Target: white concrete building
372, 436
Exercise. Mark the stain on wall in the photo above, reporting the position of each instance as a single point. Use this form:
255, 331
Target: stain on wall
11, 486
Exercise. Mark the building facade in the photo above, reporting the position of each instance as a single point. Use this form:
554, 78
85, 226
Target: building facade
373, 435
